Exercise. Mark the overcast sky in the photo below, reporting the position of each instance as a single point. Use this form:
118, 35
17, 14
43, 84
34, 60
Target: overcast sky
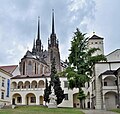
18, 24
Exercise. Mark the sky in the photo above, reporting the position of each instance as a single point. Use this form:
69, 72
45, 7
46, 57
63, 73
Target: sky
18, 24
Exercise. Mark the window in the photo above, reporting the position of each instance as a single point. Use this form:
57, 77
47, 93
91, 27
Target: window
105, 83
2, 95
19, 100
3, 82
33, 100
95, 42
66, 96
65, 84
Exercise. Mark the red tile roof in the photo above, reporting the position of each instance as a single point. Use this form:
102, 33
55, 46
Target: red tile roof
9, 68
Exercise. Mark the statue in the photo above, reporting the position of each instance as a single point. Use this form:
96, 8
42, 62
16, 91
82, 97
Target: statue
53, 98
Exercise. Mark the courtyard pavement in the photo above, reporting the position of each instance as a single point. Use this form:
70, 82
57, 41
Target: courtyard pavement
98, 112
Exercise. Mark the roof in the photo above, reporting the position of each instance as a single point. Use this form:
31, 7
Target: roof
31, 76
113, 52
9, 69
108, 72
1, 70
94, 37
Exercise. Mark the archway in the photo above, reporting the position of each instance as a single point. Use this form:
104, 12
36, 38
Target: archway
110, 100
30, 99
41, 100
20, 85
17, 99
14, 85
76, 102
27, 85
34, 84
41, 84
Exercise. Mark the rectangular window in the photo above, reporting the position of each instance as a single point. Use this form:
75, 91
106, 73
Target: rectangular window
66, 96
3, 82
33, 100
65, 84
19, 100
2, 95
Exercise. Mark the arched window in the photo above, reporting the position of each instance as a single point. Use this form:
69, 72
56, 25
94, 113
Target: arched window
35, 69
29, 68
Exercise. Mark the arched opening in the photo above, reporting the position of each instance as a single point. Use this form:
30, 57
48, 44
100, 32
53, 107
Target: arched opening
41, 100
30, 99
13, 85
27, 85
34, 84
110, 100
16, 99
76, 102
109, 81
20, 85
41, 84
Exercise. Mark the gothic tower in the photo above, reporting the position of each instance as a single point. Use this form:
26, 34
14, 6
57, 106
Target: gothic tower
53, 47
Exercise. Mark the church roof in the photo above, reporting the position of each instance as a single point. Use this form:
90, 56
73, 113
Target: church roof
95, 37
10, 68
37, 57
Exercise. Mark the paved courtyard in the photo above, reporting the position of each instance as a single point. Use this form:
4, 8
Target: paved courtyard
98, 112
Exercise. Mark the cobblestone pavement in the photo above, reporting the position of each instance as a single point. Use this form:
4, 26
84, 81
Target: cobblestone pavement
98, 112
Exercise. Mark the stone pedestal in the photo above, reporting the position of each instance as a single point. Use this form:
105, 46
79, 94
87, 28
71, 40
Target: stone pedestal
13, 106
53, 98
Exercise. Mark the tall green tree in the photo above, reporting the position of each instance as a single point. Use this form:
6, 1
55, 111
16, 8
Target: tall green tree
47, 92
56, 83
81, 63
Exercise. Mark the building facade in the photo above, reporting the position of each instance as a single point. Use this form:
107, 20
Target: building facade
101, 91
5, 94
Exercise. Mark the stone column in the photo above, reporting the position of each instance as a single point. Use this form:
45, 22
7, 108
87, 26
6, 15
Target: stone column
23, 99
37, 100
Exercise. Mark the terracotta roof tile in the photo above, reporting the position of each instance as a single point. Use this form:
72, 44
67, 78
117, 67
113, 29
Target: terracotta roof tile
9, 68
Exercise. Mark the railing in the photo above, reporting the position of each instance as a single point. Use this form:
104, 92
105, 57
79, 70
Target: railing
27, 89
109, 87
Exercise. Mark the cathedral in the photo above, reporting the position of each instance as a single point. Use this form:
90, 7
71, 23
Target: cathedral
38, 61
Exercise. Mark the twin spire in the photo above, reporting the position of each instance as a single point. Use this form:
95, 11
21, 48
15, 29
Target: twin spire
37, 46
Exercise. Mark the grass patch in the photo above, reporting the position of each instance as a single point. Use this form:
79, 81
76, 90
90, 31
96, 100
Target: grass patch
40, 110
116, 110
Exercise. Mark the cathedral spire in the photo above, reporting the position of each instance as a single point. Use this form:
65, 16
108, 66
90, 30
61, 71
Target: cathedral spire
38, 41
38, 34
53, 29
34, 48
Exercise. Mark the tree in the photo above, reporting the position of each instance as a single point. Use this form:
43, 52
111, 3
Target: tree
56, 83
81, 63
47, 92
58, 90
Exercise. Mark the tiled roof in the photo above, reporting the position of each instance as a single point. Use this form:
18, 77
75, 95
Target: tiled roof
94, 37
9, 68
